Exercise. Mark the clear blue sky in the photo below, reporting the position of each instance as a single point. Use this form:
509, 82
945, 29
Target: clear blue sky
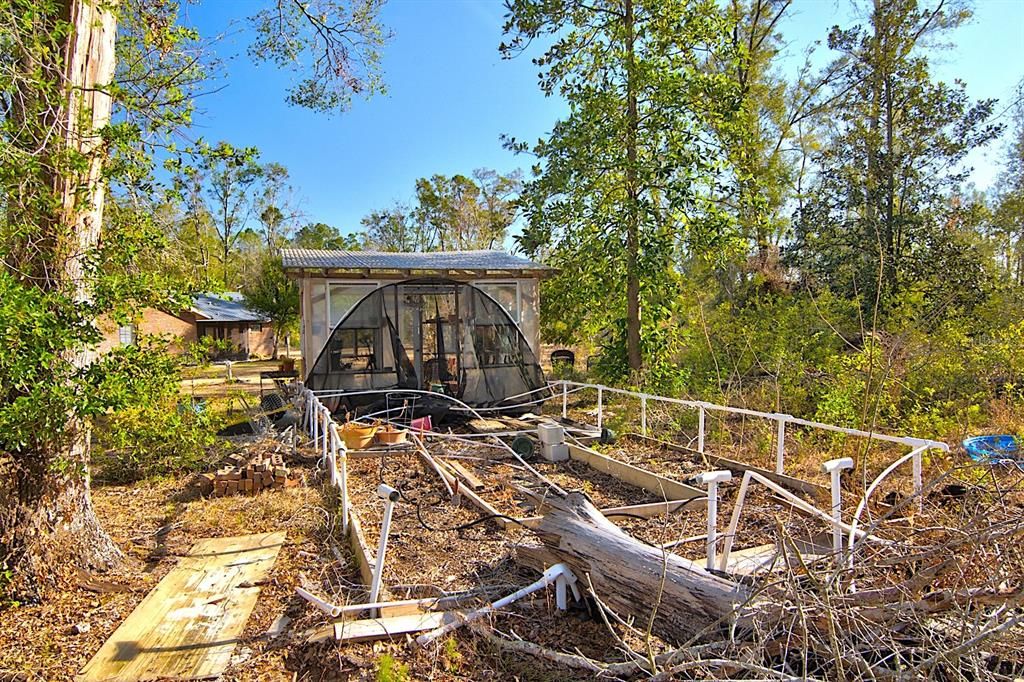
450, 97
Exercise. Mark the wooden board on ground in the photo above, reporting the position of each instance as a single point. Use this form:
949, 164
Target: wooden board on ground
360, 549
790, 482
647, 511
641, 478
467, 476
487, 426
187, 626
764, 558
385, 628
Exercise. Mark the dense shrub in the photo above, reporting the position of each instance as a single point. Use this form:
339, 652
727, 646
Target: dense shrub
164, 433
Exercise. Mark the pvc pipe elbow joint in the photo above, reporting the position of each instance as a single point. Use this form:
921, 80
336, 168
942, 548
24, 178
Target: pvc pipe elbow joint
719, 476
386, 492
837, 464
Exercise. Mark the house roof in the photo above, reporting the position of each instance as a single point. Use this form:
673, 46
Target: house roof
482, 261
228, 307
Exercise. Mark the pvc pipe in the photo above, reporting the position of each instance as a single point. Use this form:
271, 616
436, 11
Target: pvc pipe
550, 576
390, 496
600, 407
700, 430
793, 499
712, 479
565, 400
871, 488
330, 609
780, 451
643, 415
904, 440
835, 468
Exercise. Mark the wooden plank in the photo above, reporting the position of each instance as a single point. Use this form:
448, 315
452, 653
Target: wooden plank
467, 476
647, 511
761, 558
653, 509
654, 483
188, 625
364, 558
387, 628
797, 484
475, 499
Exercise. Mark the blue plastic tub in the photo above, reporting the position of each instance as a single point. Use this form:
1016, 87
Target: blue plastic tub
1001, 449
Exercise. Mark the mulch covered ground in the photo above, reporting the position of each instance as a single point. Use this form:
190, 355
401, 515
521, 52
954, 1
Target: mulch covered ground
436, 548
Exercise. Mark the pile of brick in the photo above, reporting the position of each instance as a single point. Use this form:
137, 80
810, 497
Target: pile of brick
248, 476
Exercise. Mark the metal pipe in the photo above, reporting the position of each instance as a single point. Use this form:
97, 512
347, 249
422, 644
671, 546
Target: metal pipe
390, 496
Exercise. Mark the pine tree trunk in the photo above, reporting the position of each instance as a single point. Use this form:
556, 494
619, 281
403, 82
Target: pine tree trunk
49, 523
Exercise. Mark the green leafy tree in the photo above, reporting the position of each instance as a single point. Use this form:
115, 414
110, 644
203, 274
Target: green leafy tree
397, 229
1008, 212
276, 296
274, 206
876, 224
63, 265
227, 178
623, 180
324, 236
466, 213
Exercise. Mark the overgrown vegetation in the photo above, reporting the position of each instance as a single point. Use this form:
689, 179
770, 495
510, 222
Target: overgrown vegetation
807, 244
160, 432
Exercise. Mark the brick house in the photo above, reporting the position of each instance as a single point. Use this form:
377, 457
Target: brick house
222, 317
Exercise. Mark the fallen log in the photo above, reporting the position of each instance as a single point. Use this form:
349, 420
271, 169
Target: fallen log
632, 578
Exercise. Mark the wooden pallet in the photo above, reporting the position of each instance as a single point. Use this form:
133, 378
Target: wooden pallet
187, 626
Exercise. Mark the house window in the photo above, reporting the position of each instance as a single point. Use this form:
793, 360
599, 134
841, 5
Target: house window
341, 296
255, 327
506, 294
126, 334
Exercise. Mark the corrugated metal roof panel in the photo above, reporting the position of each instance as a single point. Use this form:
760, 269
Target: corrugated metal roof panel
432, 260
225, 308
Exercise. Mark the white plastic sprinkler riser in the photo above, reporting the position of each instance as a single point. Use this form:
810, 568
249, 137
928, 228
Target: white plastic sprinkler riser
390, 496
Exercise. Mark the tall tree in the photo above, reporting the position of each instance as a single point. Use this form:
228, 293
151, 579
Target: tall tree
58, 103
275, 206
397, 229
227, 178
1008, 214
59, 147
626, 172
271, 292
323, 236
876, 224
464, 212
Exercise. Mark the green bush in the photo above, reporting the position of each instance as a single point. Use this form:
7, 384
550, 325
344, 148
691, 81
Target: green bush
160, 432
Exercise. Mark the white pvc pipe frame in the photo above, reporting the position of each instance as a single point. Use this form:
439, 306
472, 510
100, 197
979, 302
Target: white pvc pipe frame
781, 420
919, 445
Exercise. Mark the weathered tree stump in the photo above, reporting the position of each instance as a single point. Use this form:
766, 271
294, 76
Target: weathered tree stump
631, 577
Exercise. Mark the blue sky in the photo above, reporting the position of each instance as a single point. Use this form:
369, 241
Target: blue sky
451, 96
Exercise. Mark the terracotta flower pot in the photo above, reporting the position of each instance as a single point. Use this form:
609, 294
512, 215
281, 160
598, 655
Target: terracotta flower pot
357, 436
389, 435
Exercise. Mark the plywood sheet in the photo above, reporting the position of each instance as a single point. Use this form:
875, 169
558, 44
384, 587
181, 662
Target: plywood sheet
188, 625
